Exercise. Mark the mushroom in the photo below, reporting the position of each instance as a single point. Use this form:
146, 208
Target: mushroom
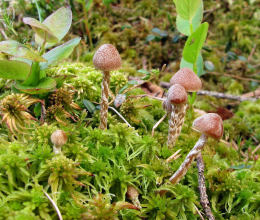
175, 106
186, 78
106, 59
209, 125
58, 139
132, 193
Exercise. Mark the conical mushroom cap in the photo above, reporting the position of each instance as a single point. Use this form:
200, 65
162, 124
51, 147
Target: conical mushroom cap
107, 58
188, 79
177, 94
59, 138
210, 124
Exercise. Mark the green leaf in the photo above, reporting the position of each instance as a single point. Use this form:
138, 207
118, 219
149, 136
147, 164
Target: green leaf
13, 69
41, 30
89, 105
184, 63
45, 85
194, 43
184, 26
199, 65
34, 75
59, 53
16, 49
187, 9
58, 23
143, 71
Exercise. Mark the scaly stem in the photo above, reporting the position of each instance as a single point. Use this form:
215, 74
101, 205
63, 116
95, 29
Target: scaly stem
176, 177
175, 123
202, 188
104, 100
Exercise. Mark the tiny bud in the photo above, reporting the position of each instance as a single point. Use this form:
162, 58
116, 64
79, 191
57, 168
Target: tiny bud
58, 138
133, 194
120, 98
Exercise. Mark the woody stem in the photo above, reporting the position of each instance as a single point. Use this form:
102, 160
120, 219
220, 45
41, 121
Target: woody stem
104, 100
177, 176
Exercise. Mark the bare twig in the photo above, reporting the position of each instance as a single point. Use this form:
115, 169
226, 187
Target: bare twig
256, 149
158, 123
198, 211
251, 53
146, 95
234, 76
202, 188
54, 205
174, 156
216, 94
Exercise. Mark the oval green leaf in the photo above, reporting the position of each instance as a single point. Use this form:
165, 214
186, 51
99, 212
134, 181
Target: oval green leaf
58, 23
194, 43
59, 53
41, 30
184, 26
13, 69
16, 49
45, 85
187, 9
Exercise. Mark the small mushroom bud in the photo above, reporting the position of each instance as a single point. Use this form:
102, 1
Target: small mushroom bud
209, 125
58, 139
175, 105
106, 59
133, 194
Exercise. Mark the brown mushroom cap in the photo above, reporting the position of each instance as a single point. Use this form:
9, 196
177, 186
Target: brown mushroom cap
59, 138
107, 58
177, 94
188, 79
210, 124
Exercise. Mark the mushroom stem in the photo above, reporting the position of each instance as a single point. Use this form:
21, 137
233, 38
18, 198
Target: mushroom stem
175, 122
104, 100
56, 149
176, 177
202, 188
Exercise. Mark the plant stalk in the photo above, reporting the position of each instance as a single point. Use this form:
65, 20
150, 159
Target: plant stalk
177, 176
104, 100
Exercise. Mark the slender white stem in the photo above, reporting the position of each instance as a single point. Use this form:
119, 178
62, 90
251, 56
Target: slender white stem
177, 176
54, 205
56, 150
121, 116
